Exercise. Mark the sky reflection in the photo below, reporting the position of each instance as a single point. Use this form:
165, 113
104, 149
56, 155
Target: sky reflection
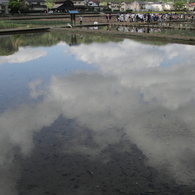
23, 55
129, 95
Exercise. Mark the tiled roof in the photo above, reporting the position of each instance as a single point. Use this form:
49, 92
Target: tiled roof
4, 1
39, 6
141, 2
126, 2
57, 5
61, 1
95, 1
40, 1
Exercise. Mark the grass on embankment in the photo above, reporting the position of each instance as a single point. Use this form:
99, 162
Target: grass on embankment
30, 23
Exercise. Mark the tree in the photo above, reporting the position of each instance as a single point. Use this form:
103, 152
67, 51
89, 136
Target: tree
18, 6
14, 6
24, 6
49, 3
179, 5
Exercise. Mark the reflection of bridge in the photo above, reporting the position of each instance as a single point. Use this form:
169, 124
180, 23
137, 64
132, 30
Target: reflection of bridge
73, 40
4, 4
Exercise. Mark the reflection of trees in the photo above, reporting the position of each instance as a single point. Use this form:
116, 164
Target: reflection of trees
9, 45
52, 38
99, 39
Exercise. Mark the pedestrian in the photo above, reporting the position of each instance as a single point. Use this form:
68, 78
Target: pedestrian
81, 19
117, 17
121, 19
108, 17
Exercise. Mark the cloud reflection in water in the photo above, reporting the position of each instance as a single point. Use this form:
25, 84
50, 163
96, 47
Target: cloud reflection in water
23, 55
131, 95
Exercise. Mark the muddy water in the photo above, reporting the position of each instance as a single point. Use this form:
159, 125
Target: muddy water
157, 30
91, 115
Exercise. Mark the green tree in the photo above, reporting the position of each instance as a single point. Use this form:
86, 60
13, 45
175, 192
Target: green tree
49, 3
14, 6
179, 5
24, 6
18, 6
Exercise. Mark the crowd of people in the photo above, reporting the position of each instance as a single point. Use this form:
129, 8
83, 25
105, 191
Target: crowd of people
147, 17
138, 29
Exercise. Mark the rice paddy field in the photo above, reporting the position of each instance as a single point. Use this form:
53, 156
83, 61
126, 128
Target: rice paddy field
30, 23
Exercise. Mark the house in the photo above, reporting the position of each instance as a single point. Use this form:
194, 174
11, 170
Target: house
79, 2
168, 6
135, 6
157, 7
63, 6
141, 4
190, 6
80, 5
148, 6
4, 6
94, 4
113, 5
37, 5
125, 6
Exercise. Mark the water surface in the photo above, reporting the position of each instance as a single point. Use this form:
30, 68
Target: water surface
157, 30
94, 115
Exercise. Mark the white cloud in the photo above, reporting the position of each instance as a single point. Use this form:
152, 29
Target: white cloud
23, 55
130, 95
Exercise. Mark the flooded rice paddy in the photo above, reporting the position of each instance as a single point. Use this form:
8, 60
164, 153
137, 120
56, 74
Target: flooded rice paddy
96, 115
180, 29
